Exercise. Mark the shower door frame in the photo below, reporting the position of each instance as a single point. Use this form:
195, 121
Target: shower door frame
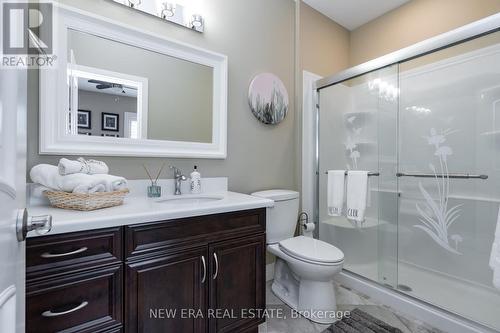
463, 34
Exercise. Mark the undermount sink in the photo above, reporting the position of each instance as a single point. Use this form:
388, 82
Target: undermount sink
190, 199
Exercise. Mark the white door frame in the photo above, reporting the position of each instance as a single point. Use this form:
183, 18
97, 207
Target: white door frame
309, 151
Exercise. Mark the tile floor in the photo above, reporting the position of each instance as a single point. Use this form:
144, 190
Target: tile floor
347, 299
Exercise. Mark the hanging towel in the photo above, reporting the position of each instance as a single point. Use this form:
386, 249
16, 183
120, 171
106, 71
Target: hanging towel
112, 183
357, 190
91, 167
495, 255
336, 189
48, 176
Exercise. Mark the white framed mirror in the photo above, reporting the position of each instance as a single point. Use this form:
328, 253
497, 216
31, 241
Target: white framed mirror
163, 99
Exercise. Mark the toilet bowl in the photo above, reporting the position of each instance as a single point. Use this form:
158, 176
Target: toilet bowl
305, 267
304, 284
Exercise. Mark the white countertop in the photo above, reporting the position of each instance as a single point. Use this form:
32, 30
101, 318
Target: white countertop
140, 209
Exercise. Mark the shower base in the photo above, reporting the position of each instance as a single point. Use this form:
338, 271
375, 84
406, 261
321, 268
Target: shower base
466, 299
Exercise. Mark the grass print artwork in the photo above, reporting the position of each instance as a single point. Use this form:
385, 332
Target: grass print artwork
268, 98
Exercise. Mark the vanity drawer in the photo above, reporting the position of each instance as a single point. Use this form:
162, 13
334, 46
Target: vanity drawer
85, 302
47, 255
157, 237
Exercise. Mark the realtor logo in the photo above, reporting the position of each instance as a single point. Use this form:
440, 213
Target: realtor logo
27, 34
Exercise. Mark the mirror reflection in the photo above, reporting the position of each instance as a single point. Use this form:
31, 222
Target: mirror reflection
143, 95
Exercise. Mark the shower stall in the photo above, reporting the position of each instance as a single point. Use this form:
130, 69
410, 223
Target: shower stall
426, 123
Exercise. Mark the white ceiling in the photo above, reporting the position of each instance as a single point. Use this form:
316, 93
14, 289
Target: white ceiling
352, 14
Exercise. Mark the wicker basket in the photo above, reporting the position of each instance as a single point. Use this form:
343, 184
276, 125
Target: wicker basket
84, 201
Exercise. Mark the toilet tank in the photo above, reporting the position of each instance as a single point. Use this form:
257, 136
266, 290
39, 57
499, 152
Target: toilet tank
282, 218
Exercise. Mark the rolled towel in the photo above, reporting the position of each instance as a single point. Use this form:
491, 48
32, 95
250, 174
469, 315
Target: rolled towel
91, 167
112, 183
336, 189
83, 188
357, 190
48, 176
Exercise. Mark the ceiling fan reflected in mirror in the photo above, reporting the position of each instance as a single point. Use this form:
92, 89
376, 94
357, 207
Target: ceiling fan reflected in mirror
107, 85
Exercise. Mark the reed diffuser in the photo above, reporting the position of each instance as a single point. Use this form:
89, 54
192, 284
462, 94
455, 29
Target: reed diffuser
154, 191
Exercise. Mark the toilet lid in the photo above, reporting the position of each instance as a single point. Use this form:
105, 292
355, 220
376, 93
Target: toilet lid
311, 249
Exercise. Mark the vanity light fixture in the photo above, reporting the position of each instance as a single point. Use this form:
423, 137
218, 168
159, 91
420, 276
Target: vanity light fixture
196, 21
168, 10
174, 11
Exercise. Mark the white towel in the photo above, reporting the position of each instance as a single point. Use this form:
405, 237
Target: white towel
112, 183
357, 189
48, 175
336, 189
91, 167
495, 255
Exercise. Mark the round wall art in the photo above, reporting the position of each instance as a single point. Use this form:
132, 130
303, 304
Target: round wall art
268, 98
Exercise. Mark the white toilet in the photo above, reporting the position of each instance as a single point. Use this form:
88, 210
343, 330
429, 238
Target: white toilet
305, 266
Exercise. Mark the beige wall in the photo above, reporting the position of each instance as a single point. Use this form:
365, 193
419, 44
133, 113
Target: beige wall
324, 44
413, 22
323, 47
255, 40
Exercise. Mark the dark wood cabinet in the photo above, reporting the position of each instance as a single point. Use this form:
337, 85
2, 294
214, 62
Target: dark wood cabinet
183, 275
237, 283
161, 290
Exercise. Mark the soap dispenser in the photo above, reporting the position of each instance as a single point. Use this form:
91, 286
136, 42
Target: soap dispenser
195, 182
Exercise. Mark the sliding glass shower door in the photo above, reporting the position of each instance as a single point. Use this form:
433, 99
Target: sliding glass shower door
357, 130
449, 138
430, 127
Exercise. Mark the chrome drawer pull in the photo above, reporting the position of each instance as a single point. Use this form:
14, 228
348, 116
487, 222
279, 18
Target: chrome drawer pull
216, 266
204, 269
50, 255
57, 314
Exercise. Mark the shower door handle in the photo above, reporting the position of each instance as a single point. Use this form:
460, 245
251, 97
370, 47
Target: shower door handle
444, 175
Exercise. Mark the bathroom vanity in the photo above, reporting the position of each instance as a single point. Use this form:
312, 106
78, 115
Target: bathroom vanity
131, 276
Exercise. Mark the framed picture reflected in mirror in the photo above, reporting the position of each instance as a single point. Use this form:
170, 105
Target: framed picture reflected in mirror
85, 119
110, 122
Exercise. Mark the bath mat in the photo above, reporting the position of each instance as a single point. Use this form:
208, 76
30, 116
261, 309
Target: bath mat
361, 322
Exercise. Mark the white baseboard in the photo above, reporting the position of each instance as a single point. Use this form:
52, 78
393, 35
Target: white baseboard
269, 272
427, 313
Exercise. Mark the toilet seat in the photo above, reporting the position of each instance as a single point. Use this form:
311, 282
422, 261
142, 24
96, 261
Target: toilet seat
311, 250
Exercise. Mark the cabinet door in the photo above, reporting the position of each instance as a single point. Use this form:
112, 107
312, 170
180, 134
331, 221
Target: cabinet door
167, 293
237, 284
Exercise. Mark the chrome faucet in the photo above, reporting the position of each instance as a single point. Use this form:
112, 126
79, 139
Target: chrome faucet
178, 178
